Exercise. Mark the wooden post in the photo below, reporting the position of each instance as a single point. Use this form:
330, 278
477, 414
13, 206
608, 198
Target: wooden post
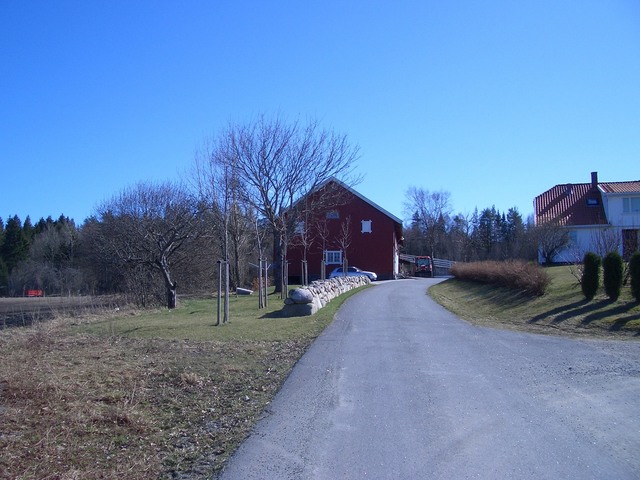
285, 280
219, 262
260, 299
226, 291
305, 273
266, 283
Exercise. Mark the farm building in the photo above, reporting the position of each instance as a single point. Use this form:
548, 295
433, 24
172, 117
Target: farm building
344, 225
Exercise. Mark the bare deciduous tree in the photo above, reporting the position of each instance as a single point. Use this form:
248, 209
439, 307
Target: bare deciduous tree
606, 240
551, 238
305, 236
277, 163
233, 222
430, 211
460, 237
148, 226
344, 242
322, 229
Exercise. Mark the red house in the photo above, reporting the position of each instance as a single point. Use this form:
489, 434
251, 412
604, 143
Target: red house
347, 226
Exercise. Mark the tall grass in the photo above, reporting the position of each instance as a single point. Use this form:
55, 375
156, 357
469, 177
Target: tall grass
517, 274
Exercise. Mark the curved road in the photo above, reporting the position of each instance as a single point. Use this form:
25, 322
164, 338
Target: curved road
399, 388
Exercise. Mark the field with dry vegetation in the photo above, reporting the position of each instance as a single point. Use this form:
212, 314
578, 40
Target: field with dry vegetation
524, 276
141, 395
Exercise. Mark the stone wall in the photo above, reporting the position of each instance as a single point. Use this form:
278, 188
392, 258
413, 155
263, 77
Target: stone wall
308, 300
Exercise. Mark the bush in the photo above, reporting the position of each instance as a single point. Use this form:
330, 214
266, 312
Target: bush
613, 272
590, 275
634, 273
527, 277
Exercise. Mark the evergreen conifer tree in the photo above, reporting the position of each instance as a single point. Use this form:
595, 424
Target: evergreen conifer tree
15, 247
4, 278
590, 275
634, 273
1, 236
613, 269
28, 230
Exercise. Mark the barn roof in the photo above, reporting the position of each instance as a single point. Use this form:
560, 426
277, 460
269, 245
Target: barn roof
397, 222
363, 198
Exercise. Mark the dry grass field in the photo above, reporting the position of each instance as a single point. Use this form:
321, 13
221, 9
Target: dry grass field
22, 311
139, 395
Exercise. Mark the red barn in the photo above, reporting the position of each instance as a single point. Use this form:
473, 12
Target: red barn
349, 226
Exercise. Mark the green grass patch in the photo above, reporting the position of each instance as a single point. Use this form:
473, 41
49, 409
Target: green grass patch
562, 309
195, 319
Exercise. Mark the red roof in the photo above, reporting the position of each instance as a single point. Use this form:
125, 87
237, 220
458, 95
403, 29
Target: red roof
578, 203
621, 187
570, 204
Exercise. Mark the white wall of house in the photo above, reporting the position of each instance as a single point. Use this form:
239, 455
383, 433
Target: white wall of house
581, 240
599, 239
613, 205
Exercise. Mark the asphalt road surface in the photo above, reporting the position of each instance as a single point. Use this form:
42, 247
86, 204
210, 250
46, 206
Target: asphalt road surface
399, 388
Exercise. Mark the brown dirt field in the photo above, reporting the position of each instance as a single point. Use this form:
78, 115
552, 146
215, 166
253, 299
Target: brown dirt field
21, 311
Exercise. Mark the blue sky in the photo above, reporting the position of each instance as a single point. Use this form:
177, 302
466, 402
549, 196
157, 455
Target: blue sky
492, 101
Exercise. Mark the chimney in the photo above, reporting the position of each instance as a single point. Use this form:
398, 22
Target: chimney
594, 179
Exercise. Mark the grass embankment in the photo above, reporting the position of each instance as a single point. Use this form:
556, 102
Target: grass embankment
143, 395
563, 309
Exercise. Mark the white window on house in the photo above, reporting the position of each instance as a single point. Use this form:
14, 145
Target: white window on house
299, 230
366, 226
631, 204
333, 214
333, 257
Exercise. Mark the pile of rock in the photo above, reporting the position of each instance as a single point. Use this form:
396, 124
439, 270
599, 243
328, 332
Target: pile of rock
308, 300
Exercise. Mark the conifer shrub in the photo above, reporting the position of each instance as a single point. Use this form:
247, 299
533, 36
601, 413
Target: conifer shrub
634, 274
590, 275
613, 272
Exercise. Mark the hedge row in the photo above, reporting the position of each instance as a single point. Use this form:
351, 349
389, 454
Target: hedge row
613, 270
520, 275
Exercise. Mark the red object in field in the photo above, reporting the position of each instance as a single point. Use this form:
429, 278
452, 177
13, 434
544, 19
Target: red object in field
34, 293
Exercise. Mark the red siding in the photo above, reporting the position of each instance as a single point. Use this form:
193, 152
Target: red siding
373, 251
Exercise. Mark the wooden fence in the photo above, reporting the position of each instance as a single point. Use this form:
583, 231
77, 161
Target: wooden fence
440, 266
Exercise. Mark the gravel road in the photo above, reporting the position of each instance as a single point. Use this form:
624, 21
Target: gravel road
399, 388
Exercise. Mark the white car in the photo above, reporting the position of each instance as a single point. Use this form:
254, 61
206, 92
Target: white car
353, 272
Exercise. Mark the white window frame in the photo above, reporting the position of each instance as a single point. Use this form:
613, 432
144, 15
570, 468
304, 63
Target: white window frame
366, 226
631, 205
333, 257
